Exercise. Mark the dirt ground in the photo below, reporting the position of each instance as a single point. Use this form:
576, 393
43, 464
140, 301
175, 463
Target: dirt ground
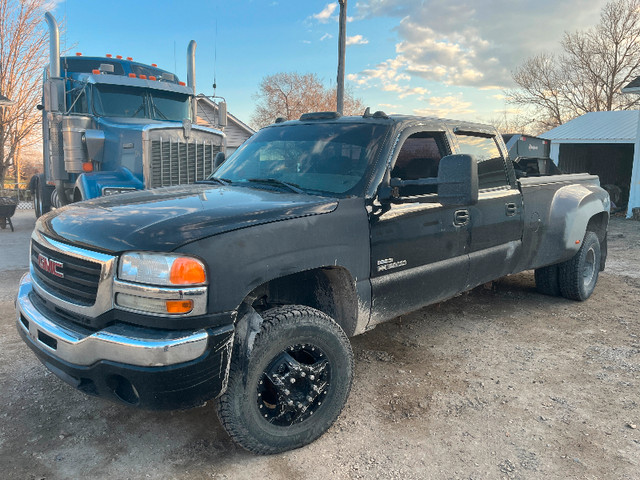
497, 383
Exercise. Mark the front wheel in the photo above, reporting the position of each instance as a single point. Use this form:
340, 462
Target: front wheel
297, 381
578, 276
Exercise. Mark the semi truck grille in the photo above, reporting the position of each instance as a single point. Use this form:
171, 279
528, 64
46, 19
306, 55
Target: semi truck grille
177, 163
71, 278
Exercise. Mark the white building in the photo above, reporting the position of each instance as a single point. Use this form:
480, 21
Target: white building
606, 144
237, 131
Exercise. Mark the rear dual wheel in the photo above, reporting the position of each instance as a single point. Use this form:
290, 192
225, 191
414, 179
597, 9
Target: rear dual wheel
576, 278
298, 379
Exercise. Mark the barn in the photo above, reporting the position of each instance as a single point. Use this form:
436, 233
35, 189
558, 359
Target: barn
606, 144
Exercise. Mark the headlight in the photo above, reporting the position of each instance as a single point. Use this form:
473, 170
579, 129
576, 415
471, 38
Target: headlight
161, 269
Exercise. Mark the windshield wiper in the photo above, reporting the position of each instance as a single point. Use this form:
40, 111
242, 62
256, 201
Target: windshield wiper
215, 180
274, 181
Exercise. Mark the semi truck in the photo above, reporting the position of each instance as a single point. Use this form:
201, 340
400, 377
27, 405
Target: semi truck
112, 125
245, 288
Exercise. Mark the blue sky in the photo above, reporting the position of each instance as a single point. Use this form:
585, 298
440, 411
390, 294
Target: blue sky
425, 57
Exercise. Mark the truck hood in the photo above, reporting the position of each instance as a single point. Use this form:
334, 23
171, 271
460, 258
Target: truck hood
165, 218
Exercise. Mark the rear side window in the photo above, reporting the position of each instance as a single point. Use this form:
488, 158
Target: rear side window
492, 172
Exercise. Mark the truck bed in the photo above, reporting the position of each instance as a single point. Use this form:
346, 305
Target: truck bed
550, 213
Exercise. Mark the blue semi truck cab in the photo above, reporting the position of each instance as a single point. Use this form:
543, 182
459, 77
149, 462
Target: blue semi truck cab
112, 125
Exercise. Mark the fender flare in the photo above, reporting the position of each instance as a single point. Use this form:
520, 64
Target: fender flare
571, 209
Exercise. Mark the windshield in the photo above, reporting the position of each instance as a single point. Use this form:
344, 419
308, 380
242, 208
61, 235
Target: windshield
323, 159
118, 101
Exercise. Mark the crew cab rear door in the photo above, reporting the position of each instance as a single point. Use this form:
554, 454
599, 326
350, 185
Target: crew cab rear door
418, 245
495, 222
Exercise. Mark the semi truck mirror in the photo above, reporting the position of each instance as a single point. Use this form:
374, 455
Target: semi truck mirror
219, 159
222, 114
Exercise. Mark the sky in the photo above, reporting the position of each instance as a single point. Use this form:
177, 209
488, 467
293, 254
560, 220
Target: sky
446, 58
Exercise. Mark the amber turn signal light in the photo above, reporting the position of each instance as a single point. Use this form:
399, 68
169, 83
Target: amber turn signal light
179, 306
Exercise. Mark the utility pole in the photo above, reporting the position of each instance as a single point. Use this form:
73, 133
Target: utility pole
342, 43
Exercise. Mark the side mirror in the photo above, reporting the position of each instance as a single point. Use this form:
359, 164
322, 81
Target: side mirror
218, 159
458, 180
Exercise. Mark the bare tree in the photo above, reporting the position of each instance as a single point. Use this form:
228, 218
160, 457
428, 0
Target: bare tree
512, 123
23, 47
589, 73
541, 87
290, 94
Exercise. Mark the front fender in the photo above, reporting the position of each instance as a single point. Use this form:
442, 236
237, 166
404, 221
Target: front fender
241, 260
90, 185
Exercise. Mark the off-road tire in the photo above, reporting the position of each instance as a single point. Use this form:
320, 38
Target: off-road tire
547, 280
579, 275
243, 407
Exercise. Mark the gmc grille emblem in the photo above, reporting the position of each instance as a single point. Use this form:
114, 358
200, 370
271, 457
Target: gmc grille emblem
51, 266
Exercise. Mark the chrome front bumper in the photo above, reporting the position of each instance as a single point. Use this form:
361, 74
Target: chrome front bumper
119, 343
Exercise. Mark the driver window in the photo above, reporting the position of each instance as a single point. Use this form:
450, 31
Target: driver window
77, 101
419, 158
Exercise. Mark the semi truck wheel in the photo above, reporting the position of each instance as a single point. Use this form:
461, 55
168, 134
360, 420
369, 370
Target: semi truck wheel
41, 197
579, 275
547, 280
296, 382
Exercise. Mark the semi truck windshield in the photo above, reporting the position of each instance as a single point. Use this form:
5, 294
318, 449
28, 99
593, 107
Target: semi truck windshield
118, 101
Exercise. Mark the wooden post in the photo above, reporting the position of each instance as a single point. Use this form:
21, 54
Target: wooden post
342, 42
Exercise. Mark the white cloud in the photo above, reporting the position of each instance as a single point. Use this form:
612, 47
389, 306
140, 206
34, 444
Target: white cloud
450, 106
356, 40
326, 36
477, 43
327, 13
389, 77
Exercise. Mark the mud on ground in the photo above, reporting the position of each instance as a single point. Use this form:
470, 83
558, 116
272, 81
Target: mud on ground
497, 383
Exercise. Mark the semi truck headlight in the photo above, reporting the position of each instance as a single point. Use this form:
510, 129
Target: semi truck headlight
161, 269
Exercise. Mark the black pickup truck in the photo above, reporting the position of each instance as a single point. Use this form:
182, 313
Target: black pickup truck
245, 288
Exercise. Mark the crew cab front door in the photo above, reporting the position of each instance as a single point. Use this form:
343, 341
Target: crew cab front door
418, 246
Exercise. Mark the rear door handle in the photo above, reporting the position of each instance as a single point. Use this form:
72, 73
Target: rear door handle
511, 209
461, 217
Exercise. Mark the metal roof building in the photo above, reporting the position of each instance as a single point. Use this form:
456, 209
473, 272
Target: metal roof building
606, 144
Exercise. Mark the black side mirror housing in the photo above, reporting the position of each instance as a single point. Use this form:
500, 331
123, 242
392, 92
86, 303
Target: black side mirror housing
457, 183
218, 159
458, 180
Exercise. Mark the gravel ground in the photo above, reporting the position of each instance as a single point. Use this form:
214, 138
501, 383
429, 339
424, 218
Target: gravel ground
497, 383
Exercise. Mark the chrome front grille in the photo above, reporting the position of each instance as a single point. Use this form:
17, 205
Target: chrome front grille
178, 162
71, 278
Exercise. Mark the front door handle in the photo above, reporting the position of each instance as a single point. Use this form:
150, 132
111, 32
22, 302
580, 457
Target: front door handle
461, 217
511, 209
